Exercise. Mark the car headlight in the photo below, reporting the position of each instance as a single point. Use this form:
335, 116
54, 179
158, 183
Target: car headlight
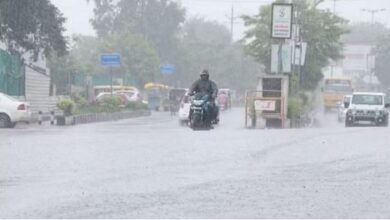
198, 102
378, 113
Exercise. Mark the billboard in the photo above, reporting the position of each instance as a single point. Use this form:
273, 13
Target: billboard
281, 27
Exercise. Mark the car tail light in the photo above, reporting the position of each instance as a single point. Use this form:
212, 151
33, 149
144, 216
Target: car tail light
22, 107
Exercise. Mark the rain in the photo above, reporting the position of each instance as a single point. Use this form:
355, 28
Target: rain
184, 109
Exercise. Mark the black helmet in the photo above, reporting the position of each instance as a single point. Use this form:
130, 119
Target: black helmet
204, 72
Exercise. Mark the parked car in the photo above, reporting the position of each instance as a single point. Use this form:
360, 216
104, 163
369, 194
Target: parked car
367, 107
13, 111
342, 110
131, 95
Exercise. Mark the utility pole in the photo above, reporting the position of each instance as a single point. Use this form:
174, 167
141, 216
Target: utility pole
232, 23
143, 31
373, 12
232, 19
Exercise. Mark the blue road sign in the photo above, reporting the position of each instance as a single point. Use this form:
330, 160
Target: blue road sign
167, 69
113, 59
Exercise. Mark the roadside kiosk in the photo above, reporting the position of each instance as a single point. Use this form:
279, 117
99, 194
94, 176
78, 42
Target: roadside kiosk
267, 106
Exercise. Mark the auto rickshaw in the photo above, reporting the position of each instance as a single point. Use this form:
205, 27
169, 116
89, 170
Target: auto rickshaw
175, 96
157, 96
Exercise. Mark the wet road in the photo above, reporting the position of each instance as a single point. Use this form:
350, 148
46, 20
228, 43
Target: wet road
153, 168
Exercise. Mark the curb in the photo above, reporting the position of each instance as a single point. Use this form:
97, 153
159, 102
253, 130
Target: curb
100, 117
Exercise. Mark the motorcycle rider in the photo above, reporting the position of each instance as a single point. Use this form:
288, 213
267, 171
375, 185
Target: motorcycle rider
205, 86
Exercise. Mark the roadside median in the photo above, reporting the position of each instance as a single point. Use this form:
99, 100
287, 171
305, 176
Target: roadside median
77, 111
100, 117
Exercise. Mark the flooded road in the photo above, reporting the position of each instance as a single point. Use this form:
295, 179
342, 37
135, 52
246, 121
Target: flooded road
153, 168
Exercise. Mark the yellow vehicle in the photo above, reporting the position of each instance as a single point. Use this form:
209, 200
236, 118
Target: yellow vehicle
157, 96
335, 88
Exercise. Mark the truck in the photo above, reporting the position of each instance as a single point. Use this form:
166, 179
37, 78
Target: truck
334, 90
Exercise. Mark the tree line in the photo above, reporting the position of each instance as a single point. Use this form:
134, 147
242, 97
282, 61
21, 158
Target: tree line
149, 33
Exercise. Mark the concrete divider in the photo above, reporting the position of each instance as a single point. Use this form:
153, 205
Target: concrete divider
100, 117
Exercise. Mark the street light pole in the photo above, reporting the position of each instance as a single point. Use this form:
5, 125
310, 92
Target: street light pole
369, 57
373, 12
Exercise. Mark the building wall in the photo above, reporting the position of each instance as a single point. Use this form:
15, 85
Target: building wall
37, 90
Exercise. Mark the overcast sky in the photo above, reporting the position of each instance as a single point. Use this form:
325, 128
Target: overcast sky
78, 12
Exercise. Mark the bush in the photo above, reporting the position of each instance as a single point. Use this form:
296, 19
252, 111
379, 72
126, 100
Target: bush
296, 107
111, 104
137, 106
66, 105
80, 101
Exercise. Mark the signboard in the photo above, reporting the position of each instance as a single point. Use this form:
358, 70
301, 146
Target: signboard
300, 53
265, 105
113, 59
167, 69
286, 58
281, 27
355, 57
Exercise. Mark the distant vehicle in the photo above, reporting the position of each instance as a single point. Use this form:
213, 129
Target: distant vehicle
342, 111
334, 91
224, 99
13, 111
175, 96
132, 96
157, 96
367, 107
115, 88
104, 95
184, 110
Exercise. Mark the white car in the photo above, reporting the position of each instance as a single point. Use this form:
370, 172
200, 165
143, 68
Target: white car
367, 107
13, 111
133, 95
184, 110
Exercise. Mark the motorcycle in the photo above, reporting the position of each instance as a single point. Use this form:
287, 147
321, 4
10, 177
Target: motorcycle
199, 112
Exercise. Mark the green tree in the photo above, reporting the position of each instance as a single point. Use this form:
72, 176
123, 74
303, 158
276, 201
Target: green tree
320, 29
365, 33
158, 21
139, 60
228, 66
32, 26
